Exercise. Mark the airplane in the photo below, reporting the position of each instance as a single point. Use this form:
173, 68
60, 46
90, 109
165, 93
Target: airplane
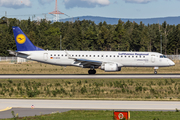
109, 61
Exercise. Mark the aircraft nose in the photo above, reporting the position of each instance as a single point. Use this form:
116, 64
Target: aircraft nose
171, 63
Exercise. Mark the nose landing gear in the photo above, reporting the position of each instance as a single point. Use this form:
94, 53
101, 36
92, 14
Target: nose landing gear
155, 70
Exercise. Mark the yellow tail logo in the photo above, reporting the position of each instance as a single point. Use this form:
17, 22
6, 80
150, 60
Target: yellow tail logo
21, 38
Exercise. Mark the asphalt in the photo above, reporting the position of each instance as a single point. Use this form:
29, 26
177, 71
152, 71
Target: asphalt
97, 76
23, 112
23, 106
89, 104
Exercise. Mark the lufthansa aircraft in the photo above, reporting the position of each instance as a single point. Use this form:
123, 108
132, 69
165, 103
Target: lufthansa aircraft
109, 61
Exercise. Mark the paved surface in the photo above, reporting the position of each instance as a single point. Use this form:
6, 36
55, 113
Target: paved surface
23, 112
23, 107
120, 76
90, 104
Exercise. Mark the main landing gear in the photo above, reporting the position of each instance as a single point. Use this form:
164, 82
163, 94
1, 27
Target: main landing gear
92, 72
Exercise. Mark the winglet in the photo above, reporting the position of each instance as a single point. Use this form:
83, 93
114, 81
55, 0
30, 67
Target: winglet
22, 41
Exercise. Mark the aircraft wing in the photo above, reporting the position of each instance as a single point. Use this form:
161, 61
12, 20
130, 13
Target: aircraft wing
86, 62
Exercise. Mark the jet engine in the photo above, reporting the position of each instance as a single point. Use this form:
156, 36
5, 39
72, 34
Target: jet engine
110, 67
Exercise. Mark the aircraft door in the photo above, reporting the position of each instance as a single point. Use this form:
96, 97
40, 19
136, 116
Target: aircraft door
45, 56
152, 58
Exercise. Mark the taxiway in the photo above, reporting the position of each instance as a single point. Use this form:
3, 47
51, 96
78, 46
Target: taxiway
100, 76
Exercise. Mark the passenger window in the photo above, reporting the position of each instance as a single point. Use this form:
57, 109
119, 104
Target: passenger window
54, 54
102, 56
106, 55
76, 55
161, 56
121, 56
124, 56
94, 56
82, 55
143, 56
129, 56
65, 55
118, 56
140, 56
89, 55
73, 55
51, 54
136, 56
58, 55
133, 56
62, 55
98, 55
79, 55
86, 55
110, 55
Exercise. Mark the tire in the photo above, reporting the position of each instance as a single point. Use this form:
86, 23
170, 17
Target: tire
92, 72
155, 72
89, 71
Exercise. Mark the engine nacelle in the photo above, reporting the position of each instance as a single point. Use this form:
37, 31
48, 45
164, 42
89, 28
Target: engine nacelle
110, 67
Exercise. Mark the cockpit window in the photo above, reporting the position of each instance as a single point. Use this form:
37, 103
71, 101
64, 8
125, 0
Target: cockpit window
163, 56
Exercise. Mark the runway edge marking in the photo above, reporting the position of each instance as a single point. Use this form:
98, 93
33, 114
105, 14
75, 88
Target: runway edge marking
8, 108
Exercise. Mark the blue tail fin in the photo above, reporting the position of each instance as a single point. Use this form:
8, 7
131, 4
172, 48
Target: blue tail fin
22, 41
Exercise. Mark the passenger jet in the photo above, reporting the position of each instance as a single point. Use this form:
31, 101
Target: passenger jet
109, 61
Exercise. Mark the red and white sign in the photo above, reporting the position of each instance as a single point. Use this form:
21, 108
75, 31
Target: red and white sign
32, 107
119, 115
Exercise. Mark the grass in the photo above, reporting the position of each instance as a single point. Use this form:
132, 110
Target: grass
104, 115
109, 89
40, 68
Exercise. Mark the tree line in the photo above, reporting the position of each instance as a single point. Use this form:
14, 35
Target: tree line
88, 36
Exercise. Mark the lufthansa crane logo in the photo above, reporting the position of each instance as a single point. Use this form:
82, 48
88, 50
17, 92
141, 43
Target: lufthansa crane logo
21, 38
121, 116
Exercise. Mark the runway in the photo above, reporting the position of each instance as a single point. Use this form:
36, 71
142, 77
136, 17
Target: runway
23, 107
101, 76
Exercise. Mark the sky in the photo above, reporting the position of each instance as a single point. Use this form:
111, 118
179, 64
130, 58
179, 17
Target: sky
38, 9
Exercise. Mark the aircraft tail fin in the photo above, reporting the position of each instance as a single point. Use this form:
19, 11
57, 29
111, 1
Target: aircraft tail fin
22, 41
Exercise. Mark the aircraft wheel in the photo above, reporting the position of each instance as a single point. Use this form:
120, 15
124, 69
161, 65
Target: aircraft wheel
155, 72
94, 71
91, 72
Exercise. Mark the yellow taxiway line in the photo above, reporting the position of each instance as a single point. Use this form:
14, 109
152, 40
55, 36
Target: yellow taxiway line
8, 108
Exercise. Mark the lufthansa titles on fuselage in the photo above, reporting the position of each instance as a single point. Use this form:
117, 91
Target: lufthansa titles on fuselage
140, 54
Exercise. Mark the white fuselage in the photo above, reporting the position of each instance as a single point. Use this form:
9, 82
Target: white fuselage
121, 58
